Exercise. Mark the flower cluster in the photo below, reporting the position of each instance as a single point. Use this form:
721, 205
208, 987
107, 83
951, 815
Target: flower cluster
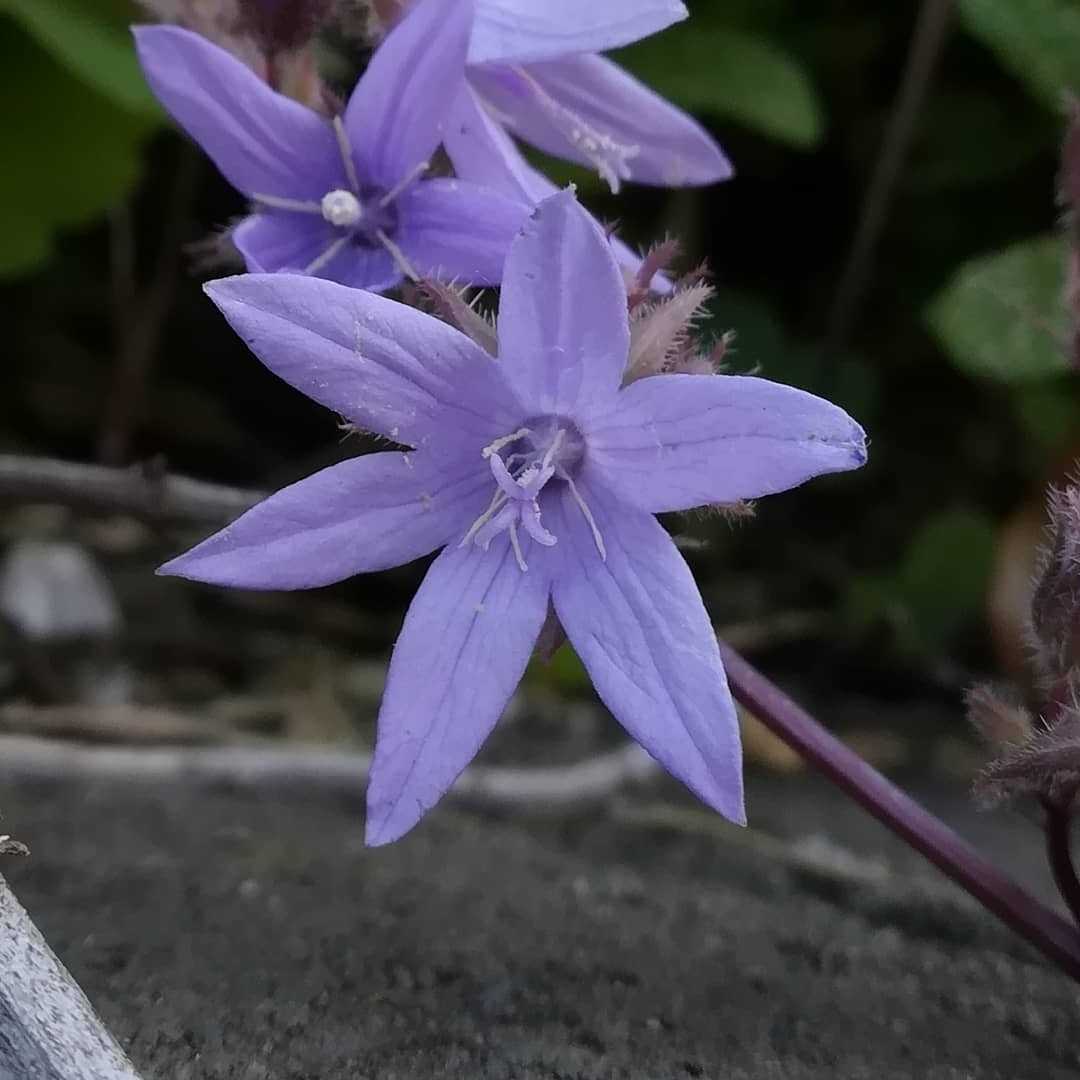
535, 451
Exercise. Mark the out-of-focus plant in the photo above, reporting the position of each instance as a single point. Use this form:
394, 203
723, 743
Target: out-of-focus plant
75, 111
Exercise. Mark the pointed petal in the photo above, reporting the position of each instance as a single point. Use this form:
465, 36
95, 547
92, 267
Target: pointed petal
361, 515
677, 441
637, 621
262, 141
397, 112
281, 241
387, 367
483, 153
563, 326
525, 30
456, 230
466, 641
589, 110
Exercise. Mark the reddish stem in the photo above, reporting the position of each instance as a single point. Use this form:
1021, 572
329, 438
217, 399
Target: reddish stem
1045, 929
1058, 827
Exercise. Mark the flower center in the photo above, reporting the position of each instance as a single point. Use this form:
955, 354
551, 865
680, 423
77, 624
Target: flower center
366, 217
341, 208
523, 463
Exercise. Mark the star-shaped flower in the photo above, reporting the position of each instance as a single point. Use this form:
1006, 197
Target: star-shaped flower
533, 71
538, 473
343, 199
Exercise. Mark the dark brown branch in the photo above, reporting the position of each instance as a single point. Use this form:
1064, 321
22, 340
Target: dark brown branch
926, 46
1045, 929
140, 326
140, 492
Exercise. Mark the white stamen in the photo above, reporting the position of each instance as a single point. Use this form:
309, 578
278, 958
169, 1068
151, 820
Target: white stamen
341, 208
402, 184
608, 156
398, 256
583, 507
276, 202
345, 148
506, 440
494, 507
328, 255
515, 543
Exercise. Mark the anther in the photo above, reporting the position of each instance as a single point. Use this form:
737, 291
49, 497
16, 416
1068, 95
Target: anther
506, 440
341, 208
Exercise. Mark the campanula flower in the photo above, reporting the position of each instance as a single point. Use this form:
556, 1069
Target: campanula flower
533, 71
539, 474
345, 199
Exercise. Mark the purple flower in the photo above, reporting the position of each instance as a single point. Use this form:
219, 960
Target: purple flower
539, 474
533, 71
346, 199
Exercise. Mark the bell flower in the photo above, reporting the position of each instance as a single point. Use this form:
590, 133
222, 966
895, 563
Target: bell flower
538, 472
345, 199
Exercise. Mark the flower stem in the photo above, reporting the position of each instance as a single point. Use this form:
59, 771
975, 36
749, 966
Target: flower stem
1058, 826
1045, 929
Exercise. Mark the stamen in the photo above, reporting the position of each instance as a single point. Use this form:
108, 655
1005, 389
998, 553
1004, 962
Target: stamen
583, 507
609, 157
506, 440
493, 508
402, 184
276, 202
345, 148
515, 543
328, 255
398, 256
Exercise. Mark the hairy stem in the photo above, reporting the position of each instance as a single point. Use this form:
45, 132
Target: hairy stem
1058, 826
1045, 929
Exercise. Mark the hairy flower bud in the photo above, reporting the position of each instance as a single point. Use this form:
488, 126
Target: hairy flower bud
995, 717
1055, 603
1047, 764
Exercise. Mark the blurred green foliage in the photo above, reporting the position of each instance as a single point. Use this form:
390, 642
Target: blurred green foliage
76, 114
1002, 315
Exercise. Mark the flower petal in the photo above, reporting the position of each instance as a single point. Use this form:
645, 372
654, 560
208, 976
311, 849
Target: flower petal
361, 515
276, 241
677, 441
637, 621
563, 326
525, 30
397, 112
458, 230
263, 142
465, 644
481, 151
387, 367
589, 110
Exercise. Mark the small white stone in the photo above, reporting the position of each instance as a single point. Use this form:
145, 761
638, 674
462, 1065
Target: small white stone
341, 208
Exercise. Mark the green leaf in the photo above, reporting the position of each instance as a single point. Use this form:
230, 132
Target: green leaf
70, 152
944, 573
1037, 40
1002, 316
83, 39
708, 68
